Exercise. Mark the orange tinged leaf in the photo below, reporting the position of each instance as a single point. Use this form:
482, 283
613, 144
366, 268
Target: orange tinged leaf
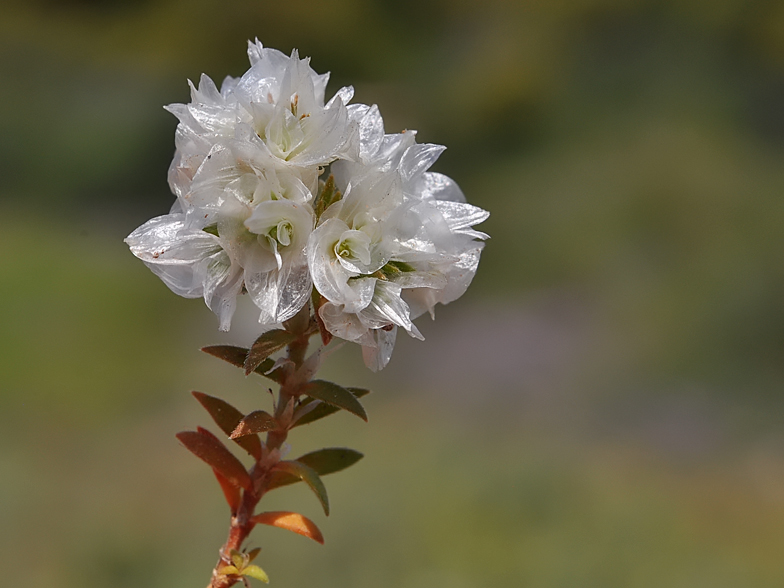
256, 422
230, 491
291, 521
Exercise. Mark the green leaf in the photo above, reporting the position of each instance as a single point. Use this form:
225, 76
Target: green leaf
266, 345
254, 571
227, 418
324, 409
238, 558
208, 448
334, 395
253, 553
256, 422
307, 475
324, 461
229, 571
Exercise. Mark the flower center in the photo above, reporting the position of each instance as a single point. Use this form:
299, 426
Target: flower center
281, 233
353, 246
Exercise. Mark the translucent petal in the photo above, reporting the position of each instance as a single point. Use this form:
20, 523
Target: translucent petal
387, 307
222, 284
393, 147
461, 216
417, 159
421, 279
325, 132
166, 240
279, 294
376, 357
207, 93
435, 186
344, 325
371, 133
460, 274
320, 87
345, 94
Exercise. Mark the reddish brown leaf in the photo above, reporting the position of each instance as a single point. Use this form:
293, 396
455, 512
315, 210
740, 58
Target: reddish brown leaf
256, 422
291, 521
227, 418
236, 356
230, 491
266, 345
208, 448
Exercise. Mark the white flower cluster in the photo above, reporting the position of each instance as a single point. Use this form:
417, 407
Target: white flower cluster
279, 192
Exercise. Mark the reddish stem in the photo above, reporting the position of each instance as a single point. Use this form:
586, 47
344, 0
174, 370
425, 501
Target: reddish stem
241, 524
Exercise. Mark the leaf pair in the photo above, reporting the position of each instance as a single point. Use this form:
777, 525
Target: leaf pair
241, 566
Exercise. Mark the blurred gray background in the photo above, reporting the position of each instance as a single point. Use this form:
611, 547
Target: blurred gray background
602, 409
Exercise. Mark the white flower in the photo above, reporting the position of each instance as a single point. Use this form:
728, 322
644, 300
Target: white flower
274, 113
384, 243
190, 261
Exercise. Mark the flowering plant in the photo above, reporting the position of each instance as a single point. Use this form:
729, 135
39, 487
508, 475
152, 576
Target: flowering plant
331, 226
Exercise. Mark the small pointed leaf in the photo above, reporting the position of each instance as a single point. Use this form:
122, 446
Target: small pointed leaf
324, 409
238, 559
254, 571
324, 461
291, 521
230, 491
236, 357
256, 422
227, 418
309, 476
266, 345
229, 571
253, 553
334, 395
211, 450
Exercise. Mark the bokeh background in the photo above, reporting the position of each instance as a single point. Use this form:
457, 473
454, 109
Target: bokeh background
602, 409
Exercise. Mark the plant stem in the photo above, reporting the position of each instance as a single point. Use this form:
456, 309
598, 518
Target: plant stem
241, 524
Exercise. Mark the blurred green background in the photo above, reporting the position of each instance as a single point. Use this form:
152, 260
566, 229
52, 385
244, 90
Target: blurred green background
602, 409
